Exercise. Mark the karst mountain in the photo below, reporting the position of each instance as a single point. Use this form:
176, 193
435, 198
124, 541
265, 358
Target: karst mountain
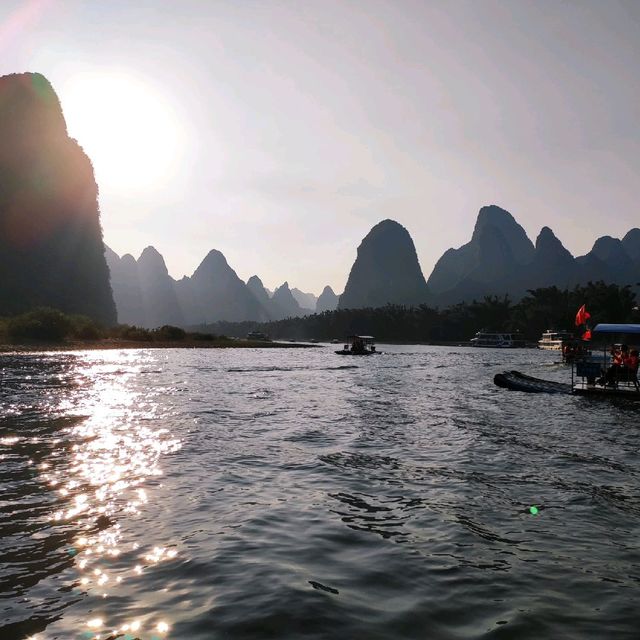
52, 253
500, 259
386, 270
51, 249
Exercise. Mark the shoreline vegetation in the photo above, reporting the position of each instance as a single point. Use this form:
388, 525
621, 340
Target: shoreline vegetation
108, 343
45, 329
540, 310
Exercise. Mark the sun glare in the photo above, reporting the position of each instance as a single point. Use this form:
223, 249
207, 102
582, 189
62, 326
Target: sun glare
126, 128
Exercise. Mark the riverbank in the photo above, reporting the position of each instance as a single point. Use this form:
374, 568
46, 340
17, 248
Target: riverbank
111, 343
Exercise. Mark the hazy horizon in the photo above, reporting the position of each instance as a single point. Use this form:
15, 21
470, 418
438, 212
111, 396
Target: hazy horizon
280, 133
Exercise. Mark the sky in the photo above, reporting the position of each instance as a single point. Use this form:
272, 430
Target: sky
280, 132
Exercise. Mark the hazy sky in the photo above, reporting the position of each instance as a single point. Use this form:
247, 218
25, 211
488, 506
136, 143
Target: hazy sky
280, 132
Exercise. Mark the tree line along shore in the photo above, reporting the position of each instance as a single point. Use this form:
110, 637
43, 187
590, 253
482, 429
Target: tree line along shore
538, 311
52, 329
541, 309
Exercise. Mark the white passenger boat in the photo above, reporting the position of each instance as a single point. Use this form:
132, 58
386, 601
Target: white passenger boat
551, 339
497, 340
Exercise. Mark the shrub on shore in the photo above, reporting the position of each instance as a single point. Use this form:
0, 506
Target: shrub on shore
4, 330
204, 337
48, 325
130, 332
168, 333
43, 324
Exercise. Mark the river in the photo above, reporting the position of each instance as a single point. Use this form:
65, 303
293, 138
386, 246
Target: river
294, 493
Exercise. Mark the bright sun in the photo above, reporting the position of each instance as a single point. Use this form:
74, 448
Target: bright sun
129, 132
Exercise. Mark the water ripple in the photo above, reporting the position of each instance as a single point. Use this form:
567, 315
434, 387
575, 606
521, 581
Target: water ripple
288, 494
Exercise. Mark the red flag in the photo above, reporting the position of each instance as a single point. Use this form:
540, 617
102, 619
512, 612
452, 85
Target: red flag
582, 316
587, 335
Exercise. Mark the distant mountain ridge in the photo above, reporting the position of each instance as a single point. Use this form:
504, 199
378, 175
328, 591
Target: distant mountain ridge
327, 300
147, 296
500, 259
306, 301
52, 252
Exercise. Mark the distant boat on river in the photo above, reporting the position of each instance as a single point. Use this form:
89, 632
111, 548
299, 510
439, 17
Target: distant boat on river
359, 346
495, 340
259, 336
552, 340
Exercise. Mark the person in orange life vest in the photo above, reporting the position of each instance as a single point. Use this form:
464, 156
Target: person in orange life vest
631, 361
618, 354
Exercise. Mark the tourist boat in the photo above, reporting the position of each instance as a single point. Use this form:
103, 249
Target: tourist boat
359, 346
575, 349
594, 376
551, 339
497, 340
590, 376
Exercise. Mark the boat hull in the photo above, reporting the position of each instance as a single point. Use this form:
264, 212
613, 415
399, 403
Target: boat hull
516, 381
606, 392
344, 352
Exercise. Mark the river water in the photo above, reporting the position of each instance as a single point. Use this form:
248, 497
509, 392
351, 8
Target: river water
295, 493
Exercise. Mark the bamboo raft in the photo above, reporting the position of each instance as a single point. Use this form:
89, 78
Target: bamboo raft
517, 381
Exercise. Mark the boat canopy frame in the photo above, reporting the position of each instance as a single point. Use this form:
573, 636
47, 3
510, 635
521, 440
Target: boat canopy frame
591, 370
617, 328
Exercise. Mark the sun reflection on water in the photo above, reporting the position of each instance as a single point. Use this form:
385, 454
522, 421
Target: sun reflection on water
114, 461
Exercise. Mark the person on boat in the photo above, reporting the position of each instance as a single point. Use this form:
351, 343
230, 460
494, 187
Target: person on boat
618, 355
631, 362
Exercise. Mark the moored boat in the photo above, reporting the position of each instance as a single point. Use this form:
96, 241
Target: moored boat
259, 336
497, 340
552, 340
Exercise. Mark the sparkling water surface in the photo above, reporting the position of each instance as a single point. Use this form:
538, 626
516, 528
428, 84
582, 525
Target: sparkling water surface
295, 493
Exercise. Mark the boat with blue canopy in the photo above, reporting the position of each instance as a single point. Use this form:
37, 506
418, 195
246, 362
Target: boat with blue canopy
611, 374
615, 371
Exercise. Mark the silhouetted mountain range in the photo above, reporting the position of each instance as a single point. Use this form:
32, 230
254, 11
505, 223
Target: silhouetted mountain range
147, 296
51, 250
52, 254
500, 259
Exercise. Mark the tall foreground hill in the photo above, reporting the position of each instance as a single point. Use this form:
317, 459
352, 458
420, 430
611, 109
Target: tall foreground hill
51, 250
